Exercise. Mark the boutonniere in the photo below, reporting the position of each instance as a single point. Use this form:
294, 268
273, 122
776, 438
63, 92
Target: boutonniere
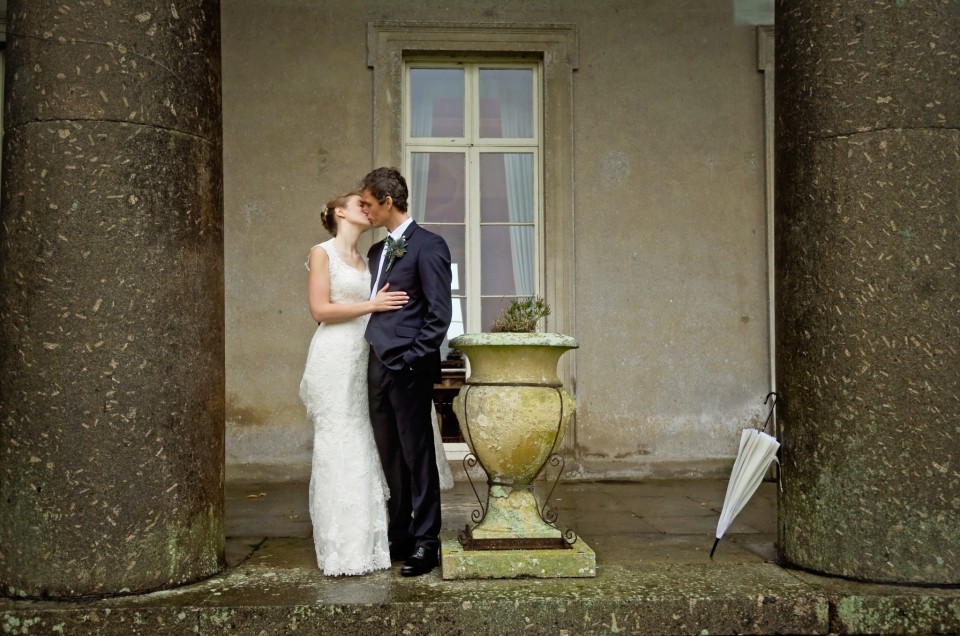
396, 248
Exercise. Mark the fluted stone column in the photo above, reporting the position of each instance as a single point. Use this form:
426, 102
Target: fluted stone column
111, 298
868, 302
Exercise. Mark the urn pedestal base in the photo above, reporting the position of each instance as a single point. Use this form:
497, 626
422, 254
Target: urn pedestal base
577, 561
513, 513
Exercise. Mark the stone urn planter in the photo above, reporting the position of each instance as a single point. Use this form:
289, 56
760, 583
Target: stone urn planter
513, 413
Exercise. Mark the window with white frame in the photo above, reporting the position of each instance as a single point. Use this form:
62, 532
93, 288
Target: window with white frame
548, 53
472, 148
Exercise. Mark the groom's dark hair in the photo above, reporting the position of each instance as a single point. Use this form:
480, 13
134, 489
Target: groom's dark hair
386, 182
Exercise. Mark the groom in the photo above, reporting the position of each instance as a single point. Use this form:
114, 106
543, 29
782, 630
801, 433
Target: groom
404, 364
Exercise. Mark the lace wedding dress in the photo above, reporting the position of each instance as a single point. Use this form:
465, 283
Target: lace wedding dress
348, 492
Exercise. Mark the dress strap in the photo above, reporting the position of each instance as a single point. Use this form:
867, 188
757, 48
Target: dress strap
307, 264
333, 257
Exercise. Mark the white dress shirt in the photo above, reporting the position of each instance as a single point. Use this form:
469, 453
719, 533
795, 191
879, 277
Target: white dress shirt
396, 234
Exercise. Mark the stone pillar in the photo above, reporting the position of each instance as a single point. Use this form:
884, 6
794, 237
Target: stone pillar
111, 298
868, 300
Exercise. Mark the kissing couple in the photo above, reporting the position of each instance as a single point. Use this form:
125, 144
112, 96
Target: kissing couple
368, 383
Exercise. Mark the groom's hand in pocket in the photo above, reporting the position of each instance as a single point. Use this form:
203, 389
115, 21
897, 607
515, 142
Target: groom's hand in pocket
411, 366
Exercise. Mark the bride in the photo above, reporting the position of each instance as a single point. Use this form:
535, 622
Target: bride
348, 491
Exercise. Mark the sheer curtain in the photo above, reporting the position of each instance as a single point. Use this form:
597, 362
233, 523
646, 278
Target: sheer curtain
421, 125
514, 92
430, 87
520, 202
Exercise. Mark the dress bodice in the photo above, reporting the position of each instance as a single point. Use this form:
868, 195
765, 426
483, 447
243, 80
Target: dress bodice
347, 284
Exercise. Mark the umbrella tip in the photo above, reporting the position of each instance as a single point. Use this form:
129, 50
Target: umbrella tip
714, 549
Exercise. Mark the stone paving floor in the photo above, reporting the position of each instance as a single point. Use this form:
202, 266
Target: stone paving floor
654, 576
626, 523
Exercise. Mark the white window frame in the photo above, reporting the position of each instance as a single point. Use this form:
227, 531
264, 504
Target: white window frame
556, 47
472, 146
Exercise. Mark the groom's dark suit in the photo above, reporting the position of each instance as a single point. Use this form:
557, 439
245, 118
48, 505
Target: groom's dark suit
404, 364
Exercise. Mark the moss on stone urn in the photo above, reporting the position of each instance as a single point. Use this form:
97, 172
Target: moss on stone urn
513, 414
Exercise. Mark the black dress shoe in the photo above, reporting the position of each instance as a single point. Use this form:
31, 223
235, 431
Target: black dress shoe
420, 562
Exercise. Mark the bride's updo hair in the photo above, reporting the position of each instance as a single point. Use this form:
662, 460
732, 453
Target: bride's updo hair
329, 215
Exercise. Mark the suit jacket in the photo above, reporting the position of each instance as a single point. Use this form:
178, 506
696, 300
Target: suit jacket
410, 337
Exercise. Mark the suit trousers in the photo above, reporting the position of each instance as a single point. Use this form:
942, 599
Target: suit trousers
400, 408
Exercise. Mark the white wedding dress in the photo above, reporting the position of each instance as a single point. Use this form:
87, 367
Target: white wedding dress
348, 492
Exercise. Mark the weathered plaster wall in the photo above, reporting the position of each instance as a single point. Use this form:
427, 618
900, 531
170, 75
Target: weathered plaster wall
670, 231
671, 300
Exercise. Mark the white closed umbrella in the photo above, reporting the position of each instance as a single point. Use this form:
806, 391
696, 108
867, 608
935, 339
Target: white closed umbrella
757, 451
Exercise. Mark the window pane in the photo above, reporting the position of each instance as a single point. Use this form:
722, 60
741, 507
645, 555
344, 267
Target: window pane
437, 187
490, 308
506, 187
436, 102
457, 328
506, 103
507, 266
458, 317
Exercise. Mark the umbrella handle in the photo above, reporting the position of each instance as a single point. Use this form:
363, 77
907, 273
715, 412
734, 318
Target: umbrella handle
772, 407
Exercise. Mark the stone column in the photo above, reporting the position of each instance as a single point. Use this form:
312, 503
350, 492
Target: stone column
111, 298
868, 300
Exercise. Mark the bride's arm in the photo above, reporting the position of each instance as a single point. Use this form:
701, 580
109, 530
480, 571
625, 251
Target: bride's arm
318, 294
